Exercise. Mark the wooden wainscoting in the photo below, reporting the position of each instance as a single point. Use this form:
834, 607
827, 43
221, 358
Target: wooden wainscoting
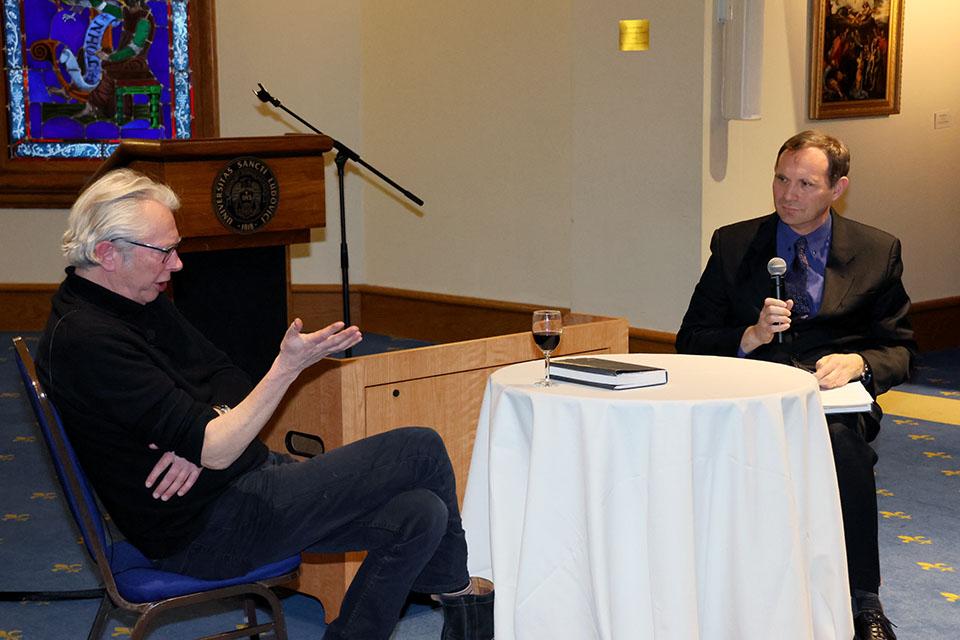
443, 318
25, 307
417, 315
649, 341
936, 323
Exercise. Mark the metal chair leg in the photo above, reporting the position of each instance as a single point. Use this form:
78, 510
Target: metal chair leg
250, 608
100, 621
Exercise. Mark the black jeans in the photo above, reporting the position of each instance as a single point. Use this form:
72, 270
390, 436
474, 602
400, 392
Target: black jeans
392, 495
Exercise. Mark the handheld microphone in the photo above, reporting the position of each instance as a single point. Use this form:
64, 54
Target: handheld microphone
776, 268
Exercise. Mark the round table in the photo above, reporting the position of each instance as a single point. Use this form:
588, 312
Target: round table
706, 508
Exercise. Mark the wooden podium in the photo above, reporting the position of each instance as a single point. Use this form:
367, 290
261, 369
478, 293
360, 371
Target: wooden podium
235, 283
442, 386
235, 287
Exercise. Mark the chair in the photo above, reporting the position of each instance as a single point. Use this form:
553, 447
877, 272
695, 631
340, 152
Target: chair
131, 581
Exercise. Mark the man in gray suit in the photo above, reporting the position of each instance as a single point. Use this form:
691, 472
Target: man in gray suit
844, 319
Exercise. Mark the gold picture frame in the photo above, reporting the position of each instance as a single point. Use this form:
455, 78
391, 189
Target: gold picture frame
855, 59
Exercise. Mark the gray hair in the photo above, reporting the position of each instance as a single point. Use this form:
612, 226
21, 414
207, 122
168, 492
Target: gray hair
109, 209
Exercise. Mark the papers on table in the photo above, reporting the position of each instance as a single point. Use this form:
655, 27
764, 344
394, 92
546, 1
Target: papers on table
850, 398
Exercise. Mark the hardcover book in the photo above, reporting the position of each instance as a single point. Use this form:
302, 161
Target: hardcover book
609, 374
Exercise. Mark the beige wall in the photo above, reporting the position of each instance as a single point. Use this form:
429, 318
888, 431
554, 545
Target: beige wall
468, 105
636, 147
308, 56
30, 245
903, 171
556, 169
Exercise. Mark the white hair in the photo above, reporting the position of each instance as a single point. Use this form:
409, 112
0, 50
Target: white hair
110, 209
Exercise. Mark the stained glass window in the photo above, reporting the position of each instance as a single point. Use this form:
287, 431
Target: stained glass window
82, 75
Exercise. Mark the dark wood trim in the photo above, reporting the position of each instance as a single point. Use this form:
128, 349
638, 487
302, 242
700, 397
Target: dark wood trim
40, 183
436, 317
439, 317
936, 323
25, 307
460, 301
419, 315
649, 341
321, 304
206, 79
198, 149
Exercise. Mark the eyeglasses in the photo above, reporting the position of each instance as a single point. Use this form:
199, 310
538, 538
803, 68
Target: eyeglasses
166, 251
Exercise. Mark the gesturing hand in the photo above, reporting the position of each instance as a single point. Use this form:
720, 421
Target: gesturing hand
178, 479
300, 350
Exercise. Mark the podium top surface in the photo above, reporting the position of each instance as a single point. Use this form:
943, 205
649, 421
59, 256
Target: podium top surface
213, 148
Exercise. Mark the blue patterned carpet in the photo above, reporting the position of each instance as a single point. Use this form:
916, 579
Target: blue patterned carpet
918, 481
918, 487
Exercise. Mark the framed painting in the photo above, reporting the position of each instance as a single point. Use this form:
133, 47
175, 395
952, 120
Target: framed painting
80, 76
855, 58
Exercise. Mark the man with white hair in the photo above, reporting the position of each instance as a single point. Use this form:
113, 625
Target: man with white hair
166, 428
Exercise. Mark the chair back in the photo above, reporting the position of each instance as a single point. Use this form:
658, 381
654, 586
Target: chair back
77, 490
137, 585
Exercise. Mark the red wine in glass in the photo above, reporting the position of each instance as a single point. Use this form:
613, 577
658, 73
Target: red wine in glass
547, 328
547, 340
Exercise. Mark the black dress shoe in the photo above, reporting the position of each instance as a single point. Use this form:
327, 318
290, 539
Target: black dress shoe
873, 625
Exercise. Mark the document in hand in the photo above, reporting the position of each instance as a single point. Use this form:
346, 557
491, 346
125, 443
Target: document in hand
850, 398
609, 374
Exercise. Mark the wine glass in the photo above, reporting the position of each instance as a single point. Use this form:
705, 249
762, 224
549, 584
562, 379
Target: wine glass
547, 327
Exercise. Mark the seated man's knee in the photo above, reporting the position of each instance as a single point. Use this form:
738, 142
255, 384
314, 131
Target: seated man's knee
425, 437
849, 445
422, 513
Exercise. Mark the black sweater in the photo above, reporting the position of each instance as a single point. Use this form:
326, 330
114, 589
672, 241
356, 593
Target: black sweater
124, 376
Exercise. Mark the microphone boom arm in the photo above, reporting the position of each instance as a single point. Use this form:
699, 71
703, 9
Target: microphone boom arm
343, 151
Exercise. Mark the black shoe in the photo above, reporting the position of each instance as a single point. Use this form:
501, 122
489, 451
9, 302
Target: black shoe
873, 625
469, 617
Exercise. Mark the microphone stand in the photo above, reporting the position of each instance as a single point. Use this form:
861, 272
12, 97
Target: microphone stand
344, 153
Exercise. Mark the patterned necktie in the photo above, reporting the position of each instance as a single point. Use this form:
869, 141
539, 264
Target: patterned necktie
797, 280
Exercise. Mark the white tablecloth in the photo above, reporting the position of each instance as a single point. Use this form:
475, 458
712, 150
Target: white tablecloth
706, 508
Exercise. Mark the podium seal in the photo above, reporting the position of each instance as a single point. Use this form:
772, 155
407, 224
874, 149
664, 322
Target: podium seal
245, 194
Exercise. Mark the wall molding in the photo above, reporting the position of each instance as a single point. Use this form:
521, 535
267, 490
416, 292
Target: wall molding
438, 317
420, 315
936, 323
650, 341
25, 307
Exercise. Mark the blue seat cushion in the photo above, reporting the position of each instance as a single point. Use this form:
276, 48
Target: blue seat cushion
138, 580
